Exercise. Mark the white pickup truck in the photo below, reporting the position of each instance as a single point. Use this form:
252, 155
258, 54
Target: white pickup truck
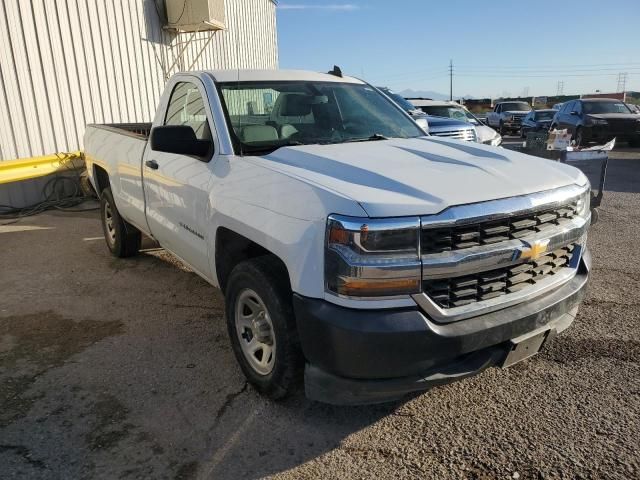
350, 246
507, 116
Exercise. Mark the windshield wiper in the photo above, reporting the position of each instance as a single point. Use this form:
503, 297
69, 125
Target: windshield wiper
266, 149
375, 136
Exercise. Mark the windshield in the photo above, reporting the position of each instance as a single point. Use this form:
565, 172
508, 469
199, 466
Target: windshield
400, 100
605, 107
545, 115
515, 107
457, 113
265, 116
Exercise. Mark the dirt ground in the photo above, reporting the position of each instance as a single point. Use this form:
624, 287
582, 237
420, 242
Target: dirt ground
122, 369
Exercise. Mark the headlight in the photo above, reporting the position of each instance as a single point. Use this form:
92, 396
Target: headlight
372, 258
583, 204
494, 141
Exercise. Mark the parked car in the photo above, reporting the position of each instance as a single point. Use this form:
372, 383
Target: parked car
507, 116
350, 247
598, 120
536, 121
457, 112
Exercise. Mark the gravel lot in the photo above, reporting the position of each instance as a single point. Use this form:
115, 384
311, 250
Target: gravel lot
122, 369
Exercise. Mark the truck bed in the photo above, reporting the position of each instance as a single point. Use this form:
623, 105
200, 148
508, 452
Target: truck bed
118, 149
140, 130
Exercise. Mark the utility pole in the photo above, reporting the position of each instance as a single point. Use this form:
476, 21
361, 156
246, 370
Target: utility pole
560, 89
451, 79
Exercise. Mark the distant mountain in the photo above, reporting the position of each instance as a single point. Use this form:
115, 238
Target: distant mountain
409, 93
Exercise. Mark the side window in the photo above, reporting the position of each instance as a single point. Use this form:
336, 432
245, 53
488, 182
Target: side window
186, 107
578, 107
498, 108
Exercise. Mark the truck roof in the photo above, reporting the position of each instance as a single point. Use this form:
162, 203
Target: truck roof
236, 75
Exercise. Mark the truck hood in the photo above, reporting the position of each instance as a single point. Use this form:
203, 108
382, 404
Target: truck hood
419, 176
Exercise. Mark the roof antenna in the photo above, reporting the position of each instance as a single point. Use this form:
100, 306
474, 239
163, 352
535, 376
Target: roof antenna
336, 71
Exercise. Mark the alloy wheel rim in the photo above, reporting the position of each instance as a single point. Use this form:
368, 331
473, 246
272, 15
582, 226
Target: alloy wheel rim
255, 332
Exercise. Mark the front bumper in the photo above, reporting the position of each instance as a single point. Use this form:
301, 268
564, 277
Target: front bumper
373, 356
604, 133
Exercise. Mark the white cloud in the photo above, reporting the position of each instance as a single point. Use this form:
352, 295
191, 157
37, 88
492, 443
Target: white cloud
334, 6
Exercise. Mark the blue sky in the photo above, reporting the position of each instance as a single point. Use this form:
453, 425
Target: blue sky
498, 47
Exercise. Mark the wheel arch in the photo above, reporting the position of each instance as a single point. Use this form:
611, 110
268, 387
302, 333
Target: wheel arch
231, 248
101, 179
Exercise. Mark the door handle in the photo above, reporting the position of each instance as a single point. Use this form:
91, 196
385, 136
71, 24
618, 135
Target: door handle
152, 164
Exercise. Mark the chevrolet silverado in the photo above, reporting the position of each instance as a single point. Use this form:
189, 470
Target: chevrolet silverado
355, 252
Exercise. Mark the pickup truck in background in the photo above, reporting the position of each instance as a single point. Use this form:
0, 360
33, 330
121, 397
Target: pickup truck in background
507, 116
352, 249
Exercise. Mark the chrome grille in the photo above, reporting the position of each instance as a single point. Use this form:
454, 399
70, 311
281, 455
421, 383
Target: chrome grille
459, 291
436, 240
467, 134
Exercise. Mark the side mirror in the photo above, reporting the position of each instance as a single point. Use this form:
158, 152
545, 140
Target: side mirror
179, 139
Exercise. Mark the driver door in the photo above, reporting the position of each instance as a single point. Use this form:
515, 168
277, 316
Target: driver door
177, 186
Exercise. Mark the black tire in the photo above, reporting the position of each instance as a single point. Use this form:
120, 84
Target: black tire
123, 239
266, 277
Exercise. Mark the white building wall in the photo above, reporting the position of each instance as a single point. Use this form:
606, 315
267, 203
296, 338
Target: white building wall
67, 63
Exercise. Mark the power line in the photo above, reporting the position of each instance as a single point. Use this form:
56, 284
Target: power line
560, 72
414, 72
509, 75
538, 67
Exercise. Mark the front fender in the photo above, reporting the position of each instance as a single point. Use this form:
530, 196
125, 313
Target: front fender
284, 215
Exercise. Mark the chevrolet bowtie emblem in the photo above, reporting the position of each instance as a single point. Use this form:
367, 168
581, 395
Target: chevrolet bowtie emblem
531, 251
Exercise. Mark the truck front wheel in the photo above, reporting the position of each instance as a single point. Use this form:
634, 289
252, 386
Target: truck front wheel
261, 326
123, 239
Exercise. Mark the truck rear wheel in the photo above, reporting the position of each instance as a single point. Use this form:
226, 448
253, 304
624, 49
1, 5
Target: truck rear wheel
261, 326
123, 239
